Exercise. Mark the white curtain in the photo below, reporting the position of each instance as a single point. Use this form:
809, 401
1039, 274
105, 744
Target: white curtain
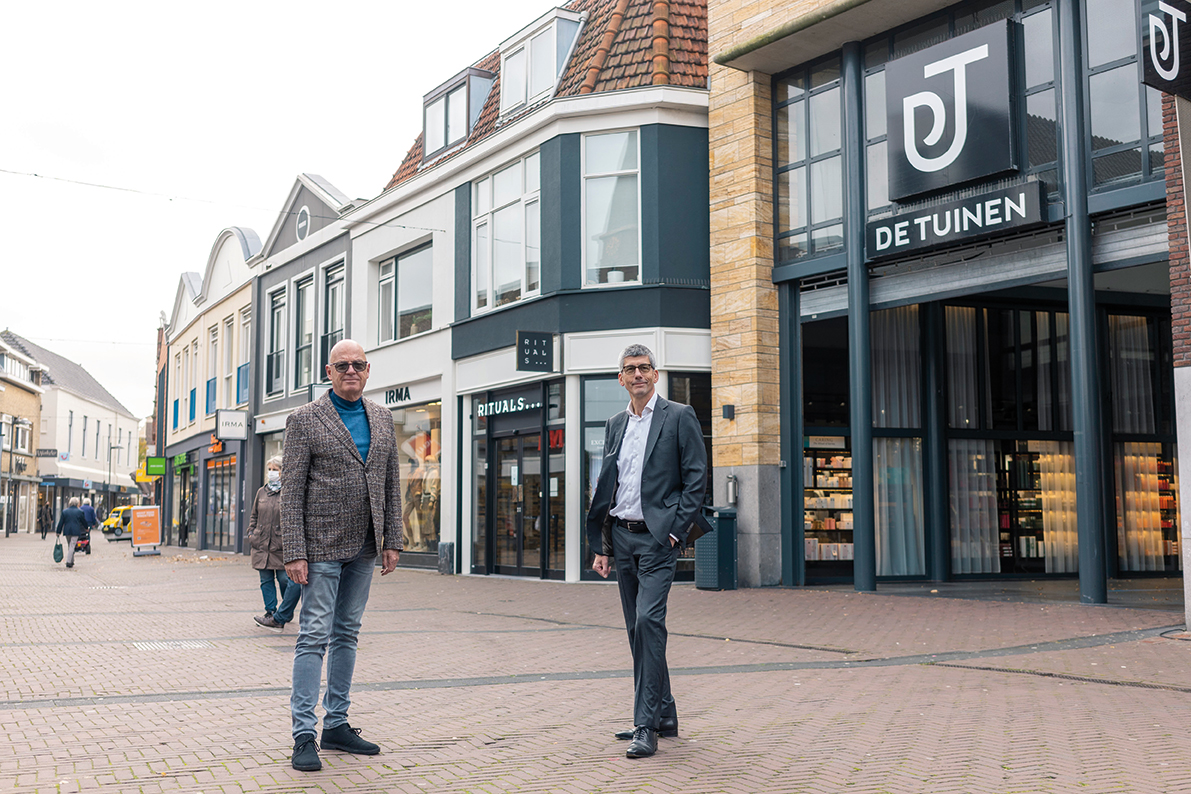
897, 473
963, 403
896, 381
973, 496
897, 462
1139, 515
1060, 537
1132, 381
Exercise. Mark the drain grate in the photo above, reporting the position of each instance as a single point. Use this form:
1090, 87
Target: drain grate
172, 645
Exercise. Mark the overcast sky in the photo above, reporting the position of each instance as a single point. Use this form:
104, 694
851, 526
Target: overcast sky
203, 114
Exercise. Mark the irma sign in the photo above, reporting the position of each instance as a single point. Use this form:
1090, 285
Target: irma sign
949, 113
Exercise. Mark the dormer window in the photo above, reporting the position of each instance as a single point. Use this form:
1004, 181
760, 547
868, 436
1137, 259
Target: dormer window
451, 110
532, 61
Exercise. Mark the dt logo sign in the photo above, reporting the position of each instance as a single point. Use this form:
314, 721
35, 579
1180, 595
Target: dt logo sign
949, 112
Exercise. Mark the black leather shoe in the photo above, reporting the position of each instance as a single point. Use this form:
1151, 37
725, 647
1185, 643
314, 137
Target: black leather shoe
306, 754
667, 729
645, 743
346, 738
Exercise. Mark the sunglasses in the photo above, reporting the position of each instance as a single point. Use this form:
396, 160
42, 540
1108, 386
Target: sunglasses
342, 366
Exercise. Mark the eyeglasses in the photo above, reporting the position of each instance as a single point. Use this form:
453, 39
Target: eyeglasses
644, 369
358, 366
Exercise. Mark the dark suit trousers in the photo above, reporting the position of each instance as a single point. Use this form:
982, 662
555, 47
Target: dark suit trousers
645, 571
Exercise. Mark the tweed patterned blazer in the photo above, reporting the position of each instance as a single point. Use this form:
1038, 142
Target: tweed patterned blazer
329, 493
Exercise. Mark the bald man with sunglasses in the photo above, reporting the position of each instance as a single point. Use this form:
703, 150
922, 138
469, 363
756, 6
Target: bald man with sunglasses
340, 507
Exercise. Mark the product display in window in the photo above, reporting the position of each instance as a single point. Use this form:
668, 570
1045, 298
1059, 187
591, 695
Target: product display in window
418, 437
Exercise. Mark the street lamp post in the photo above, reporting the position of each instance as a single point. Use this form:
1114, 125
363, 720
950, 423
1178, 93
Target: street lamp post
107, 486
10, 493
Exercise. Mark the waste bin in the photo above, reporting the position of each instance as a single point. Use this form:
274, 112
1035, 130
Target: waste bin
715, 552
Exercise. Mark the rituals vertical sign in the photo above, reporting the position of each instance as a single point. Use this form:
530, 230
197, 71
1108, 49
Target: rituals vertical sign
1165, 37
535, 352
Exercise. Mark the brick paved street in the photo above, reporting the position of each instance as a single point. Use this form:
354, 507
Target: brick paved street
148, 675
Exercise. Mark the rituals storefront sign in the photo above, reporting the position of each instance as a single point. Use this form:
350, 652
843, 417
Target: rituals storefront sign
1165, 36
1009, 209
949, 111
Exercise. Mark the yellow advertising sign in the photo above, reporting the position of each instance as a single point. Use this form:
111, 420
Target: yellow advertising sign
146, 526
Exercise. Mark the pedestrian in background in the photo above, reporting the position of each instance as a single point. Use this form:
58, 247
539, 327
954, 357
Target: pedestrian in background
340, 507
264, 535
89, 514
72, 523
45, 519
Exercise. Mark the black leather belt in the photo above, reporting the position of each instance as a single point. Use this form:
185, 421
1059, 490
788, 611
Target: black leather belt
632, 526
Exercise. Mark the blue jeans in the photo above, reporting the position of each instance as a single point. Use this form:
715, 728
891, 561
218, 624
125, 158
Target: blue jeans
290, 593
333, 601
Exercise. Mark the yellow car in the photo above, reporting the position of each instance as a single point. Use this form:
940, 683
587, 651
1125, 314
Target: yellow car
118, 523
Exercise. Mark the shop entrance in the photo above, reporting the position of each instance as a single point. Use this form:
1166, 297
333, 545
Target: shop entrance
517, 525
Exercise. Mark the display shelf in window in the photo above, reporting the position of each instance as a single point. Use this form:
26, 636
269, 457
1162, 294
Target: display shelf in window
1019, 504
827, 511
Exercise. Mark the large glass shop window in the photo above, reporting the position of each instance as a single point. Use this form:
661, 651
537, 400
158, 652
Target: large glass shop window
1145, 468
1012, 500
419, 437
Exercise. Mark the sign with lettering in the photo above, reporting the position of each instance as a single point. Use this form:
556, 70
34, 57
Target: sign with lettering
535, 352
1164, 37
146, 526
955, 221
47, 453
397, 395
180, 460
231, 425
509, 405
155, 467
950, 119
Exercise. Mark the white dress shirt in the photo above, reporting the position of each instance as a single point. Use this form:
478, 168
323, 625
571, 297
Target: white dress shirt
631, 461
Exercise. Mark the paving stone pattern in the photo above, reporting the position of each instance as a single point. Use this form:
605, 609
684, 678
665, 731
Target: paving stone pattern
148, 675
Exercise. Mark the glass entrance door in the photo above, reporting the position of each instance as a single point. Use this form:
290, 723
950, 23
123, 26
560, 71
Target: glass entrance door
517, 527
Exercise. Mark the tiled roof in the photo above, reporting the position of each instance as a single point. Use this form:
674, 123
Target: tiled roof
624, 44
65, 373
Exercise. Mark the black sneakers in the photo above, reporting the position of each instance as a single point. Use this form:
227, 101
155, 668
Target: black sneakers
306, 754
346, 738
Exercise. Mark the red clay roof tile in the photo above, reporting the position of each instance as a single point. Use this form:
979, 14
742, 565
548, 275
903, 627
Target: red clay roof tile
629, 63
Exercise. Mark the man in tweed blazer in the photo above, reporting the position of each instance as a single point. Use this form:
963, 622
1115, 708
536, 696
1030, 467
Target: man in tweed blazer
340, 506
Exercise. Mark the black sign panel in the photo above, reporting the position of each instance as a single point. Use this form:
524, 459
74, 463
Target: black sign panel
956, 221
535, 352
1165, 36
950, 114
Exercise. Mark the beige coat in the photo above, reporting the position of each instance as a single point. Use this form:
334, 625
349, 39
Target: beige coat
264, 531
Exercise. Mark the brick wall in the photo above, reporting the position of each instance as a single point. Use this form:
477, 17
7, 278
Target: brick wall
1176, 224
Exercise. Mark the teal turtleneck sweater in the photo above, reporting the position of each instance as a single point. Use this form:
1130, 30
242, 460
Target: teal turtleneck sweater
356, 420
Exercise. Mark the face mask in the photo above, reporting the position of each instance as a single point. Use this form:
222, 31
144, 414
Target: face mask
274, 476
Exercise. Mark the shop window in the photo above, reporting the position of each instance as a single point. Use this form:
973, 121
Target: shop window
809, 161
406, 294
419, 439
1147, 489
479, 505
506, 228
694, 389
602, 398
611, 208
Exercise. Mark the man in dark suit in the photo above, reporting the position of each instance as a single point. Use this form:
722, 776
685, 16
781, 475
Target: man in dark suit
648, 496
340, 506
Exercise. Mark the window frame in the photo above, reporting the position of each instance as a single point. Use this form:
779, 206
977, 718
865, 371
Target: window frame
461, 90
486, 219
212, 402
275, 338
392, 281
302, 284
584, 176
334, 275
525, 46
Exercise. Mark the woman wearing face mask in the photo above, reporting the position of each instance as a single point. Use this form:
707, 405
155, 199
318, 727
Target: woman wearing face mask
264, 534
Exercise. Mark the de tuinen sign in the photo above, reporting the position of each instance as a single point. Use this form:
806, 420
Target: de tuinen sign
951, 122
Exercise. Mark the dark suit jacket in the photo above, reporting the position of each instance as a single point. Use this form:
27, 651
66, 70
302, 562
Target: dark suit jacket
673, 478
328, 493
